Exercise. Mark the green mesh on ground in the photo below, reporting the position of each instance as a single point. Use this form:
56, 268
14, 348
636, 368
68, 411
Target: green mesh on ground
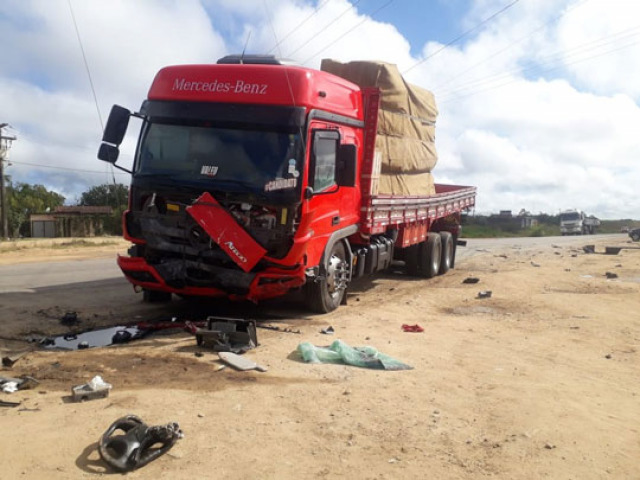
341, 353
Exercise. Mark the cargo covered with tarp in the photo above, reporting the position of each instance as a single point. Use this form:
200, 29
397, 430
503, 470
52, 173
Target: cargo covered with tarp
405, 142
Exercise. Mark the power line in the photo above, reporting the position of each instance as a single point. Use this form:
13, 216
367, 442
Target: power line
63, 168
350, 30
510, 46
332, 22
581, 60
552, 58
297, 27
461, 36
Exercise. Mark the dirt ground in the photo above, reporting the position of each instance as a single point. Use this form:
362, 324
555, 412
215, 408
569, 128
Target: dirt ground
538, 381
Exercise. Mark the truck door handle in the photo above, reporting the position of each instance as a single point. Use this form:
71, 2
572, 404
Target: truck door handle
335, 220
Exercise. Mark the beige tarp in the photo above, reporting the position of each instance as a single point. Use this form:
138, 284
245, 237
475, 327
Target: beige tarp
406, 126
407, 184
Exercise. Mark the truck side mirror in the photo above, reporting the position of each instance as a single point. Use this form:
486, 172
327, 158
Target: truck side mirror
346, 166
116, 125
108, 153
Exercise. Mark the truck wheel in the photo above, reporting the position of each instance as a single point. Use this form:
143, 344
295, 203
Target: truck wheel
446, 260
155, 296
411, 255
430, 255
325, 294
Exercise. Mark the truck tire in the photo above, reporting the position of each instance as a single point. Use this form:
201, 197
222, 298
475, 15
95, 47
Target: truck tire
411, 264
430, 255
326, 293
155, 296
448, 249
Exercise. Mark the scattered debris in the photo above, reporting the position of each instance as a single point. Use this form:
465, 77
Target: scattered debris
93, 338
612, 250
4, 403
412, 328
589, 249
70, 319
10, 385
138, 445
484, 294
341, 353
224, 334
199, 354
471, 280
549, 446
611, 275
608, 356
328, 331
278, 329
534, 264
240, 363
10, 360
96, 388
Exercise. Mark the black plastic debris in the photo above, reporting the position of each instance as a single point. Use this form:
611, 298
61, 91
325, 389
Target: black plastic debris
328, 331
589, 249
471, 280
611, 275
484, 294
138, 444
222, 334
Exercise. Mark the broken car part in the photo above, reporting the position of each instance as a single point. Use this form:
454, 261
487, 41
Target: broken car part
96, 388
22, 383
138, 445
224, 334
240, 363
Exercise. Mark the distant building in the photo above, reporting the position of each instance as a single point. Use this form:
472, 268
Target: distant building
74, 221
507, 221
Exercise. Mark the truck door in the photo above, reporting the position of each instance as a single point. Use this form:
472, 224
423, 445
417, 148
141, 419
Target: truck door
334, 208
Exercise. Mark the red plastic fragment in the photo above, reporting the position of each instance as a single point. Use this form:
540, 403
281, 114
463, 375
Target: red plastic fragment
412, 328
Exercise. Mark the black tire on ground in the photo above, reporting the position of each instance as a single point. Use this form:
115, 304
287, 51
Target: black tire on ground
155, 296
448, 249
430, 256
326, 294
411, 255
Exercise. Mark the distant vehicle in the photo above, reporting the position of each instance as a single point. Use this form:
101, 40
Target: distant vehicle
576, 222
635, 234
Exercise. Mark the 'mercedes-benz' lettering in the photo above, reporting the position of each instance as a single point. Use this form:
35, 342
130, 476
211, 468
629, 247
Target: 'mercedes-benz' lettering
214, 86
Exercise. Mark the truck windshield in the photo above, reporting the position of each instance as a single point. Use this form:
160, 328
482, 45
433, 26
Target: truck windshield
238, 160
569, 217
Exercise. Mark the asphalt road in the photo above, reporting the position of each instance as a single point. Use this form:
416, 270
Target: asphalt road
28, 277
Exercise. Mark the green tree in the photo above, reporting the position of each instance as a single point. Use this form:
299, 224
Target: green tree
113, 195
24, 200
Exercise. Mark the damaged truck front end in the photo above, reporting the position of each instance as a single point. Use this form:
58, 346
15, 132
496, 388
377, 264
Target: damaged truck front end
214, 205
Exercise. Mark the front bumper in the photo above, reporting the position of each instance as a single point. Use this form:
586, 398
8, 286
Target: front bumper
269, 283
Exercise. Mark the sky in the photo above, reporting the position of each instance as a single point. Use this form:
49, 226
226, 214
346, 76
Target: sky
539, 100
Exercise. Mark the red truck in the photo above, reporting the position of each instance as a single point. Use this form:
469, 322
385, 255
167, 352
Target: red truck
253, 177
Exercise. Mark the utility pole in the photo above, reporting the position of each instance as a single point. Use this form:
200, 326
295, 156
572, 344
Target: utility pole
5, 146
